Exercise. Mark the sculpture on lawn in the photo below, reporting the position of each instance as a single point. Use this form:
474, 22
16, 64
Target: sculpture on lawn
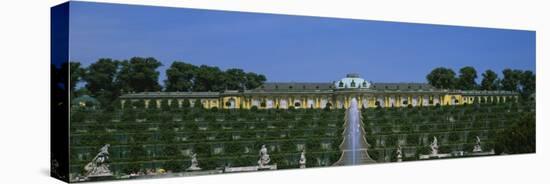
477, 147
99, 166
194, 163
264, 157
399, 154
434, 146
303, 159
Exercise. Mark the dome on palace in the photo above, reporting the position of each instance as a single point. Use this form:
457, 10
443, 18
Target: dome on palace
352, 81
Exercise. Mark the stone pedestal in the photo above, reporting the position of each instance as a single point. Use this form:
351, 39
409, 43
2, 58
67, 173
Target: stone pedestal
249, 168
492, 152
268, 167
100, 177
193, 169
434, 156
477, 149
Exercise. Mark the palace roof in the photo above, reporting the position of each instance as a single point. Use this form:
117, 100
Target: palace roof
294, 86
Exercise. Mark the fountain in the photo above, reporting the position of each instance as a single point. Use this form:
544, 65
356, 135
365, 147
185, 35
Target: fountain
354, 146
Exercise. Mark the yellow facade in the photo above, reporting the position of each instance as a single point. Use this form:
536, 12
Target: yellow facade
336, 101
318, 95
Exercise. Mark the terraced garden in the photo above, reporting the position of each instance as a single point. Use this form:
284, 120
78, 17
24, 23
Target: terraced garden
149, 139
161, 138
455, 127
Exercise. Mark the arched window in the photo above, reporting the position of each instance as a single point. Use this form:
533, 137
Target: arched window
341, 84
352, 83
364, 84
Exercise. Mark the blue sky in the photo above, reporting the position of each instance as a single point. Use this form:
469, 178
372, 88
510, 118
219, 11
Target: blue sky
291, 48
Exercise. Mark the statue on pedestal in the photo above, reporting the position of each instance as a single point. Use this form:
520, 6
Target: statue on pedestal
434, 146
477, 147
303, 159
399, 154
264, 157
194, 163
99, 165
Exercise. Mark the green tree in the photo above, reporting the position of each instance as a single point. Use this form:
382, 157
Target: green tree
528, 83
180, 76
100, 80
489, 81
511, 79
442, 78
254, 80
139, 74
235, 79
76, 74
187, 77
467, 78
208, 79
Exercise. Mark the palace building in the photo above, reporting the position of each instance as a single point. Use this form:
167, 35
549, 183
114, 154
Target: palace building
338, 94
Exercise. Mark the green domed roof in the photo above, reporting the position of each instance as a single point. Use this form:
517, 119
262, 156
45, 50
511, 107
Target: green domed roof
352, 81
84, 99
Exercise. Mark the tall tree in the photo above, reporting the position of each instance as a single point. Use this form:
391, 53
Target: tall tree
467, 78
528, 83
208, 78
254, 80
76, 74
235, 79
100, 80
139, 75
442, 78
489, 81
180, 76
511, 80
187, 77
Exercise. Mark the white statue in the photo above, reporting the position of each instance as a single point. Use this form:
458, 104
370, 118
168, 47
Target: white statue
264, 157
194, 163
434, 146
477, 147
303, 159
99, 165
399, 154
